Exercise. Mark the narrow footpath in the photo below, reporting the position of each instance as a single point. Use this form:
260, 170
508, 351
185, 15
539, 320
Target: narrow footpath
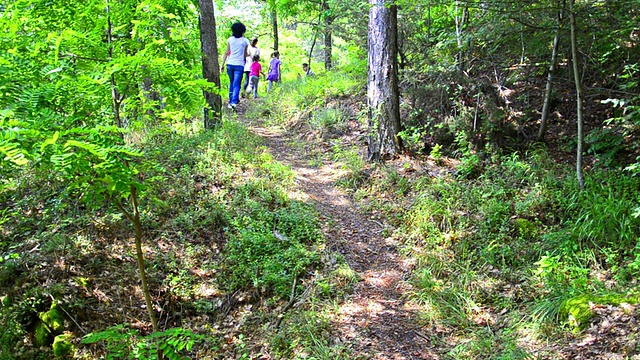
375, 320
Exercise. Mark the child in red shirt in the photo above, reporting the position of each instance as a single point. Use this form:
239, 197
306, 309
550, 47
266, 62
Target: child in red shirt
254, 75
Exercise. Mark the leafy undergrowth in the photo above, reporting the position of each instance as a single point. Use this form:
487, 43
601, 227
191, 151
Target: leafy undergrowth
221, 237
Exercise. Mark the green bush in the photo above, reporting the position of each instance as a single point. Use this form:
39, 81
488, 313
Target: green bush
269, 249
123, 342
260, 259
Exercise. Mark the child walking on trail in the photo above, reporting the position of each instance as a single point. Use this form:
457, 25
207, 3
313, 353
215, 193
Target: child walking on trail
274, 69
254, 75
252, 50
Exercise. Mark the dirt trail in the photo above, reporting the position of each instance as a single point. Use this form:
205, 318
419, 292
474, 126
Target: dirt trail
375, 320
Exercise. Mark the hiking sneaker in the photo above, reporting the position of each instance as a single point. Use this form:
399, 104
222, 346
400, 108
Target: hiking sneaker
230, 107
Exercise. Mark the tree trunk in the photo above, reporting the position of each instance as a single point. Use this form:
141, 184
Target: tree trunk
522, 46
140, 258
328, 47
116, 99
576, 77
382, 89
460, 24
210, 65
274, 23
313, 45
550, 78
151, 96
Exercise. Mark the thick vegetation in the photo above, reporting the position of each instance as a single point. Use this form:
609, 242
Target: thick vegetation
107, 175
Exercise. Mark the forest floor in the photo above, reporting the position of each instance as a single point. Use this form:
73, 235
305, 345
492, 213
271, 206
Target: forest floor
375, 320
369, 313
378, 319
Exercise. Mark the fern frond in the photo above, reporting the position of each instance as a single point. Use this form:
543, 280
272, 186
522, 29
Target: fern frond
13, 153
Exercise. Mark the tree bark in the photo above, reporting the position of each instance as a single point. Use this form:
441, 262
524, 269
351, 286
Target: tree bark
116, 98
550, 77
576, 77
382, 89
274, 24
151, 96
328, 47
210, 65
140, 258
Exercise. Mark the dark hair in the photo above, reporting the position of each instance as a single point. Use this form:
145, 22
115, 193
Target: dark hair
254, 41
256, 58
275, 53
305, 64
238, 29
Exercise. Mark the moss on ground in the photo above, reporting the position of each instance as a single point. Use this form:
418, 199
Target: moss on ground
578, 310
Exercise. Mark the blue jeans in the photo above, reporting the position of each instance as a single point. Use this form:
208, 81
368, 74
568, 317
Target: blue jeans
235, 73
254, 85
247, 80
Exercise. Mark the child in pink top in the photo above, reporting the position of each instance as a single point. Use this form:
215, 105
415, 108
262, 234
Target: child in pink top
254, 75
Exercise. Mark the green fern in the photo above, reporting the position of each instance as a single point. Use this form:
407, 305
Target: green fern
12, 153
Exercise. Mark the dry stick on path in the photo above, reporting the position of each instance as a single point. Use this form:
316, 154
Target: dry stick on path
375, 319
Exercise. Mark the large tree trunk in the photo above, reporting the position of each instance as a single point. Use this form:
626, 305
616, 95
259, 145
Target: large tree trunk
210, 67
382, 89
576, 77
550, 79
274, 24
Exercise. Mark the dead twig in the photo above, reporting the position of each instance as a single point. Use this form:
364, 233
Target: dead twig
276, 326
68, 315
229, 304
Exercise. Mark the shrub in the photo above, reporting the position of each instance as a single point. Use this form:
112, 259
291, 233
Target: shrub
269, 249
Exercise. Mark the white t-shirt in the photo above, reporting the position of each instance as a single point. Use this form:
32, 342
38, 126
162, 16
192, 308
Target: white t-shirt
252, 51
236, 46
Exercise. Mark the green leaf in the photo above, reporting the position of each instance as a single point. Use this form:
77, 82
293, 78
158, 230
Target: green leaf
50, 141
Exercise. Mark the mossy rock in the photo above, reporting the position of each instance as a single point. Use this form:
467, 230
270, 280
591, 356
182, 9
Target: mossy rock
53, 319
51, 324
577, 310
62, 346
526, 229
43, 335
